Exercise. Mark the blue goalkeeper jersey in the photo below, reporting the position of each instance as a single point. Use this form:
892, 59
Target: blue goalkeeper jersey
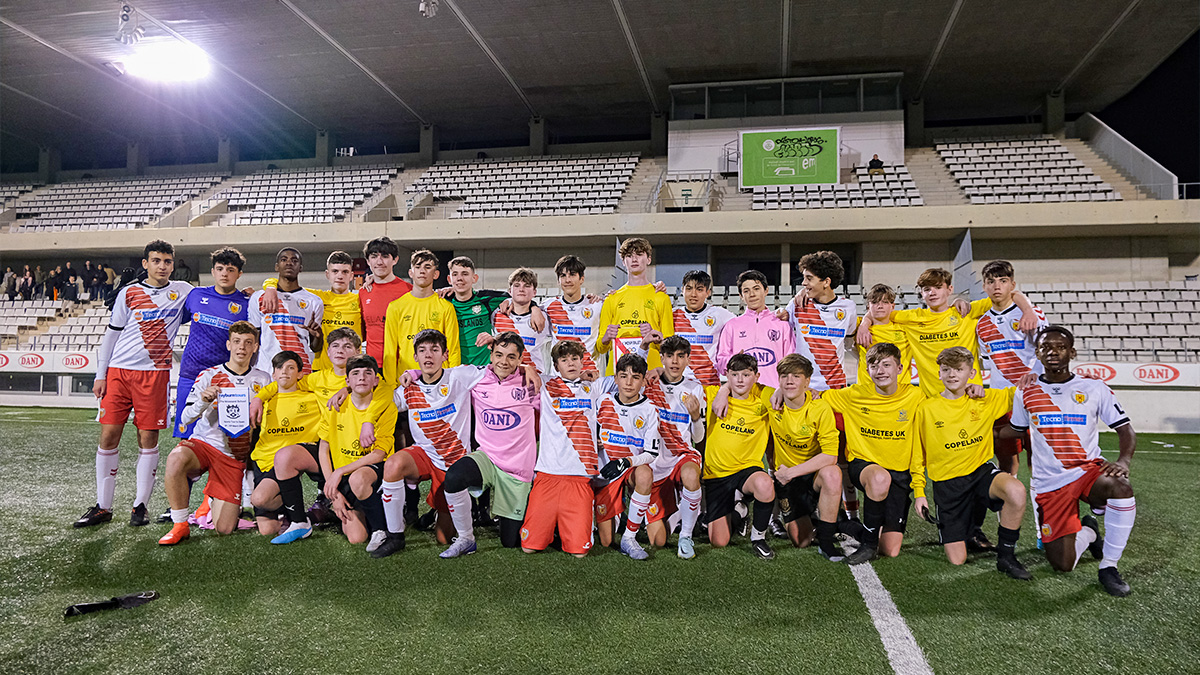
211, 315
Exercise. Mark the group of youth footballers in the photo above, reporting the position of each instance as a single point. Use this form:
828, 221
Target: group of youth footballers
589, 418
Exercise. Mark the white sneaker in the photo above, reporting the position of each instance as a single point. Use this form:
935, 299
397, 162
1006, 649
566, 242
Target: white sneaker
377, 538
461, 546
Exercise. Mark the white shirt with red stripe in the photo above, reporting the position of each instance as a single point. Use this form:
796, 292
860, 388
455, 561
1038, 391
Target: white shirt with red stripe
703, 330
567, 445
285, 327
439, 414
1008, 353
207, 415
1063, 420
679, 432
576, 321
148, 319
628, 431
537, 343
821, 334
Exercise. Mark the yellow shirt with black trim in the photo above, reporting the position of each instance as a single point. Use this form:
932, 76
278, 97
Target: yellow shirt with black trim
627, 308
803, 433
930, 332
408, 315
956, 434
289, 418
739, 440
891, 333
341, 311
879, 429
341, 428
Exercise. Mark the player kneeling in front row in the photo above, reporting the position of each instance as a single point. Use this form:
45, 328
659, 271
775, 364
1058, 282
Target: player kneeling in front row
1060, 411
353, 473
221, 439
287, 446
733, 456
808, 479
954, 433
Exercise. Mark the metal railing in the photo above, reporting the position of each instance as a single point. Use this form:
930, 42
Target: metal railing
656, 192
1143, 170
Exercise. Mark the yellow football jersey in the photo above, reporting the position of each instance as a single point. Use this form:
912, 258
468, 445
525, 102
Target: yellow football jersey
879, 429
627, 308
289, 418
886, 332
738, 440
341, 429
803, 433
341, 310
931, 332
956, 435
407, 316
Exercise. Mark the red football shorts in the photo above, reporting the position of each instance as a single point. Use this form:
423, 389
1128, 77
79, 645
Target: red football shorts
1058, 511
1005, 447
662, 493
437, 496
142, 391
609, 498
224, 472
564, 502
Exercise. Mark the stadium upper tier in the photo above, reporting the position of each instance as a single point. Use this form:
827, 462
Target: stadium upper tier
313, 195
1022, 170
108, 204
555, 185
10, 192
1142, 321
892, 187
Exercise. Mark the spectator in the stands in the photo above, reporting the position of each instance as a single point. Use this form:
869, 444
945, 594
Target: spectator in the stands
39, 281
875, 166
10, 283
26, 286
111, 281
52, 283
184, 273
96, 283
70, 284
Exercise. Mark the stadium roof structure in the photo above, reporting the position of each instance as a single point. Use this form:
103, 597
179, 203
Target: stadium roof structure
371, 71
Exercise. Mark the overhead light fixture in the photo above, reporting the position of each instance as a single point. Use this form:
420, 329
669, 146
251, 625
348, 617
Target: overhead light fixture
167, 62
129, 28
428, 8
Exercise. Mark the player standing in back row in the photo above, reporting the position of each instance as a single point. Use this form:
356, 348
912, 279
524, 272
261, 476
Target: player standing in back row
635, 309
294, 323
133, 370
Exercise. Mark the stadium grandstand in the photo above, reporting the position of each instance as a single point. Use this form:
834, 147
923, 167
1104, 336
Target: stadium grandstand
734, 137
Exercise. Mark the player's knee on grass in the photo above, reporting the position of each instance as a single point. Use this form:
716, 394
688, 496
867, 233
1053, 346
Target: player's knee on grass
889, 544
656, 532
267, 527
956, 552
718, 532
225, 516
1060, 553
800, 531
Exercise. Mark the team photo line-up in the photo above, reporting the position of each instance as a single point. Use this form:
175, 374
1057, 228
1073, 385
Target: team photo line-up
593, 418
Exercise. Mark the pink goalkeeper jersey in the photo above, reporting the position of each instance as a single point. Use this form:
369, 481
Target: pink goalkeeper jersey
760, 334
148, 319
504, 422
439, 414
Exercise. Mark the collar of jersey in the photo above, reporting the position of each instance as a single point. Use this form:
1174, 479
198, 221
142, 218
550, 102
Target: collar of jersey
1043, 380
993, 311
617, 400
227, 369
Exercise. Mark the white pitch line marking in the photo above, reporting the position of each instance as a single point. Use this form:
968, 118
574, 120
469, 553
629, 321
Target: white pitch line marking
902, 649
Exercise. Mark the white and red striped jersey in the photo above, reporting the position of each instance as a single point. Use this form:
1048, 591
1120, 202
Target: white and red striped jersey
537, 343
703, 330
679, 432
821, 333
576, 321
285, 327
567, 446
1062, 419
439, 413
628, 431
207, 415
1008, 352
148, 319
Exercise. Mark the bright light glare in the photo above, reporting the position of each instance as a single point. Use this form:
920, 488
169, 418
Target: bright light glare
167, 62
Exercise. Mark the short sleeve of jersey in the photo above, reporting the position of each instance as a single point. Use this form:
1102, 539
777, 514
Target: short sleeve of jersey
836, 398
385, 429
324, 428
1020, 416
1000, 401
120, 311
1110, 411
828, 434
906, 316
979, 308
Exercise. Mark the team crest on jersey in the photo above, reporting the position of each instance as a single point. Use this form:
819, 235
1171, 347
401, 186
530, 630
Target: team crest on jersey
903, 416
172, 295
256, 387
806, 430
1016, 324
709, 321
477, 309
1080, 397
962, 433
975, 415
772, 335
649, 305
840, 314
303, 407
587, 313
587, 389
434, 315
234, 307
518, 394
953, 320
444, 389
303, 304
639, 422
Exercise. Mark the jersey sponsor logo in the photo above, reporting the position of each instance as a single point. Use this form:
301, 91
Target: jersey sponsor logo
674, 416
571, 403
938, 337
31, 360
821, 331
153, 314
1099, 371
1058, 420
284, 318
697, 338
881, 433
762, 355
998, 346
431, 414
75, 361
613, 438
500, 420
572, 331
1156, 373
210, 320
529, 341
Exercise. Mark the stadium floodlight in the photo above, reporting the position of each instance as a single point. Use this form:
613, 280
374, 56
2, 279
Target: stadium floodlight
168, 62
428, 8
129, 27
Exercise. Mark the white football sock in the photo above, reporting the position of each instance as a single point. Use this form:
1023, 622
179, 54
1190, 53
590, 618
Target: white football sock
247, 489
393, 505
638, 503
755, 535
179, 515
1037, 518
690, 508
147, 469
1082, 538
106, 477
1118, 522
460, 513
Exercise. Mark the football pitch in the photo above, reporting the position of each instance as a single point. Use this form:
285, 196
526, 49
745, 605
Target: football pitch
238, 605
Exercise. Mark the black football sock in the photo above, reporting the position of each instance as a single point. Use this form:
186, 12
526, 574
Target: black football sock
412, 495
372, 508
1008, 541
510, 532
291, 493
872, 522
762, 517
825, 537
